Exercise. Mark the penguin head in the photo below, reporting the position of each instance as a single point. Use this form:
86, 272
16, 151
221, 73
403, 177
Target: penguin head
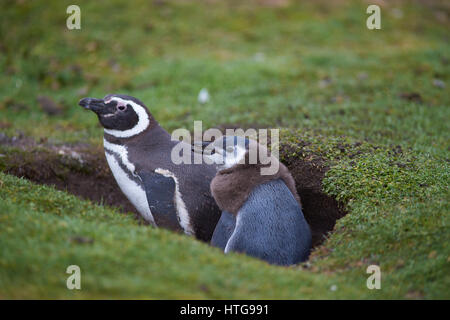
228, 151
121, 115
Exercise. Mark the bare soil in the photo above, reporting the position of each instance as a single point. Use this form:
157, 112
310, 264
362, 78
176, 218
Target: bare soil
320, 210
79, 169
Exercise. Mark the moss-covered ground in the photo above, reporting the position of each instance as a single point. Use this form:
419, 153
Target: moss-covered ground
373, 105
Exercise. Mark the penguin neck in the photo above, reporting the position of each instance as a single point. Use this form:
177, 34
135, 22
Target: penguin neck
154, 134
231, 187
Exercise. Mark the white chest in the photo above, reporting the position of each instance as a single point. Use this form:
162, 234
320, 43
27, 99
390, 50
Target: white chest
132, 190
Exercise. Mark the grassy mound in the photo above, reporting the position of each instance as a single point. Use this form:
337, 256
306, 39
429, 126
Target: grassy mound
43, 231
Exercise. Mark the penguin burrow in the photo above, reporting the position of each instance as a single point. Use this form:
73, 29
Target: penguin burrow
261, 214
138, 151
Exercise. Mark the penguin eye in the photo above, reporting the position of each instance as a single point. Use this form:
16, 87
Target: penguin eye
122, 108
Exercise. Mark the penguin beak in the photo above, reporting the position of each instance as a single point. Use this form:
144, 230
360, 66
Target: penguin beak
92, 104
199, 147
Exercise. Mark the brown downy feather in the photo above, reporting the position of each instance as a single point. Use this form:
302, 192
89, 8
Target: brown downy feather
231, 187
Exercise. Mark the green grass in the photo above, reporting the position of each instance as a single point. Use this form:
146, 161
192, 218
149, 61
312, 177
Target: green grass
399, 214
263, 66
125, 260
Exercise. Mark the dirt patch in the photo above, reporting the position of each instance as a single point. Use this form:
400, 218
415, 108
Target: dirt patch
82, 170
78, 169
320, 210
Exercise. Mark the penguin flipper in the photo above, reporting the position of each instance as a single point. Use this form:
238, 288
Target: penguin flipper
223, 231
160, 191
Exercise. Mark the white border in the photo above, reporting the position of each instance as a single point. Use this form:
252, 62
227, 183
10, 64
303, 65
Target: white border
142, 124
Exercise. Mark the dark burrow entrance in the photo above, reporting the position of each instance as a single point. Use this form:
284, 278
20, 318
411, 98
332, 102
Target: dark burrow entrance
320, 210
82, 170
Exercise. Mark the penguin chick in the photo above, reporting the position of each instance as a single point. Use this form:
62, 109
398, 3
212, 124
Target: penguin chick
261, 214
138, 151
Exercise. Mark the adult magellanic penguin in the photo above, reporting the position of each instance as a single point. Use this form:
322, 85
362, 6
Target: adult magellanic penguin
262, 214
138, 151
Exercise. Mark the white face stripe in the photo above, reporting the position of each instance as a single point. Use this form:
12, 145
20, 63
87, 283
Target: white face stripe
142, 124
225, 160
183, 215
235, 157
